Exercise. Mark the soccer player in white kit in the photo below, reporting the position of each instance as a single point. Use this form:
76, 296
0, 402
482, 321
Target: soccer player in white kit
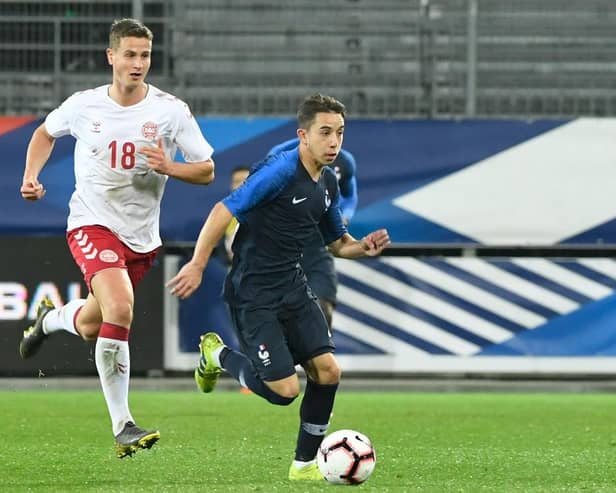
127, 135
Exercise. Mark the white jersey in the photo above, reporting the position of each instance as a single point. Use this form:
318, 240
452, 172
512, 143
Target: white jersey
113, 185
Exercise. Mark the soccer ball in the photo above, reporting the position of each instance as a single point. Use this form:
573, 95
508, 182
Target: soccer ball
346, 457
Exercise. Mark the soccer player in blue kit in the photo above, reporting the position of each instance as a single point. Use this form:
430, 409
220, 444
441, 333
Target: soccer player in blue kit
316, 261
277, 319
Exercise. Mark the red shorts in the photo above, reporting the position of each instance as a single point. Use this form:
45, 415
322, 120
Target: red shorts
95, 248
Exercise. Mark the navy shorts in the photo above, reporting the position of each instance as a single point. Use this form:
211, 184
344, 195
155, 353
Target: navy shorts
279, 337
318, 265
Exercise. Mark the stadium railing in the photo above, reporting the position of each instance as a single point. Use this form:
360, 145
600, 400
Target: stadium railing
429, 58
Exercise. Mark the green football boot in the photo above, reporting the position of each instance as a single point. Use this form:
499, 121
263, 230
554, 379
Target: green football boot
206, 374
308, 473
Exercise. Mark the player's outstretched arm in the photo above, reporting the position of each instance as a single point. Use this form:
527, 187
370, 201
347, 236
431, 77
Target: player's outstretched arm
188, 279
370, 245
200, 173
39, 150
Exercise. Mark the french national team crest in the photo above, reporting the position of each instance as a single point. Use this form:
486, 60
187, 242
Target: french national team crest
149, 130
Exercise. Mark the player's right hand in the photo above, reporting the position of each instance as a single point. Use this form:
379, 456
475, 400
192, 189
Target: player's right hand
31, 189
186, 281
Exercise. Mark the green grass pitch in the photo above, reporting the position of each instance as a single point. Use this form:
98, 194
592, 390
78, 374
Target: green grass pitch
56, 441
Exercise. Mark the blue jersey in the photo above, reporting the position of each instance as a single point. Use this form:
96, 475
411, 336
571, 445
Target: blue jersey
279, 208
344, 167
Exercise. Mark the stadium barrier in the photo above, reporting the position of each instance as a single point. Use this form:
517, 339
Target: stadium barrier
420, 309
34, 267
464, 309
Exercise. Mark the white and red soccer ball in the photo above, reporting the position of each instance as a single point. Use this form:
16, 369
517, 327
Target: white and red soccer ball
346, 457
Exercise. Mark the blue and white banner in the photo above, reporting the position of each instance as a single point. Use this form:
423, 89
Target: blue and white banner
487, 182
512, 315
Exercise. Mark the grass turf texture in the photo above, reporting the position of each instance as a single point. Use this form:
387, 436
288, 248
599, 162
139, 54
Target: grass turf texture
228, 442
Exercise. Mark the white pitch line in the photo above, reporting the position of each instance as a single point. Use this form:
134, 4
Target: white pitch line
466, 291
425, 301
564, 277
515, 284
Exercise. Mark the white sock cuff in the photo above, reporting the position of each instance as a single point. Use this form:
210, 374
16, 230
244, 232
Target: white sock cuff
216, 356
300, 464
68, 314
63, 318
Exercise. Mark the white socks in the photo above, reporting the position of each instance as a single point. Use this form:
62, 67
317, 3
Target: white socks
63, 318
113, 364
216, 356
112, 357
300, 464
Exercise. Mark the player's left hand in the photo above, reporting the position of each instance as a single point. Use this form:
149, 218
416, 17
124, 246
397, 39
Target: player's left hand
374, 243
156, 157
186, 281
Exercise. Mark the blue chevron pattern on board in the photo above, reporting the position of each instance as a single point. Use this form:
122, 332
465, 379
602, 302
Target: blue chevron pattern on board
474, 307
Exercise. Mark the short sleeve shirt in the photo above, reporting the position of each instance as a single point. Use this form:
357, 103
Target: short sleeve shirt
113, 185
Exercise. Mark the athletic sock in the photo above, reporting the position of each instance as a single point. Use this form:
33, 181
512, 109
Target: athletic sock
63, 318
314, 414
300, 464
113, 365
216, 355
242, 369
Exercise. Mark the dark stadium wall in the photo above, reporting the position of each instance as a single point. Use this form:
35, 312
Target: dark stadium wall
34, 267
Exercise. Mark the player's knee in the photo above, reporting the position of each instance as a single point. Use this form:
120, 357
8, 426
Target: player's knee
118, 312
329, 373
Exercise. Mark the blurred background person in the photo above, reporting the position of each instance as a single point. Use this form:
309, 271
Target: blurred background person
238, 175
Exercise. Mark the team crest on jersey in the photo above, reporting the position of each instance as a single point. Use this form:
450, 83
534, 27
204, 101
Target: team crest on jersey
96, 127
149, 130
328, 200
108, 256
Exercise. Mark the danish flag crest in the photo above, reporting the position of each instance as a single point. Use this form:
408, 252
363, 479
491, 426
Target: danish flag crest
149, 130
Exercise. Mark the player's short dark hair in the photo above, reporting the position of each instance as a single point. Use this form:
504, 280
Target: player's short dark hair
317, 103
124, 28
